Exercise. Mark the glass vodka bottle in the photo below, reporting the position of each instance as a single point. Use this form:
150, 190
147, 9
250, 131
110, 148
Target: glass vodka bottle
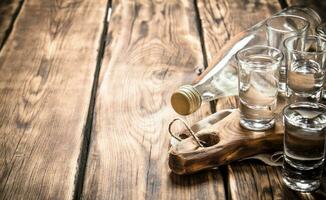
221, 79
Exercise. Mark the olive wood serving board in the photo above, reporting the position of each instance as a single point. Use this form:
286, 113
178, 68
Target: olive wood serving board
224, 141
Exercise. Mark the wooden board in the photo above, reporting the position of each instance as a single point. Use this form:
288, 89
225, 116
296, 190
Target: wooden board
222, 143
152, 49
8, 12
46, 75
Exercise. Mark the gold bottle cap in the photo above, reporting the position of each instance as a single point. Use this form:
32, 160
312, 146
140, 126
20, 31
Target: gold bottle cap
186, 100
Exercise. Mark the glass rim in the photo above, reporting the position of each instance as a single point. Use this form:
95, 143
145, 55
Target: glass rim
269, 26
316, 38
304, 104
240, 58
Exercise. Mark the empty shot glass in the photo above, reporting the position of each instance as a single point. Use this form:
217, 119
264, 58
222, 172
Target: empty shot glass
304, 145
305, 57
258, 86
278, 29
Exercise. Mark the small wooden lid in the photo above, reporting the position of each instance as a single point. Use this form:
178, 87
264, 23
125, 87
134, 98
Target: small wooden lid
186, 100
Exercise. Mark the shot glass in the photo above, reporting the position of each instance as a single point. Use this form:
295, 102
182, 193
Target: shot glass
278, 29
304, 145
258, 86
305, 57
321, 32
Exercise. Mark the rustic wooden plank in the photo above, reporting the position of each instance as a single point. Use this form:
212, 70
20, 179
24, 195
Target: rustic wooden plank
46, 75
255, 180
8, 12
317, 5
223, 19
153, 47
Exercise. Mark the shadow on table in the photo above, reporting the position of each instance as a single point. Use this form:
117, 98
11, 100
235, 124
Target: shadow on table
199, 178
246, 180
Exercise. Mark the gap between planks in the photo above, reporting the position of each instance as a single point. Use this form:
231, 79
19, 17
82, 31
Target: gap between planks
201, 34
11, 24
283, 4
83, 157
223, 169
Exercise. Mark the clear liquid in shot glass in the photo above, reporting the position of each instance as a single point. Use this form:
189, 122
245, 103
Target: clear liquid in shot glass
305, 80
304, 146
258, 93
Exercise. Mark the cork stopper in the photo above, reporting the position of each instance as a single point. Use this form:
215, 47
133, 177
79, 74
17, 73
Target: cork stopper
186, 100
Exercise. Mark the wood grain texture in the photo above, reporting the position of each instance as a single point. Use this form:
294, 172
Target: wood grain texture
255, 180
46, 75
223, 19
317, 5
8, 10
152, 48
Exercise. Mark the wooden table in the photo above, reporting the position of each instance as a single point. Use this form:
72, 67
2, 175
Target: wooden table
84, 97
